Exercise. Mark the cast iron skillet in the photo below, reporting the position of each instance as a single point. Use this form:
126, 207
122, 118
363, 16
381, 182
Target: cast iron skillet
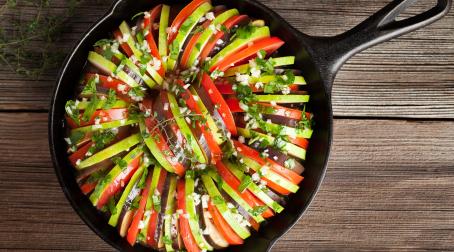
318, 57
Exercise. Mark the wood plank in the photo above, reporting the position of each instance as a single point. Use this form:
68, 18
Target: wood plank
410, 77
389, 186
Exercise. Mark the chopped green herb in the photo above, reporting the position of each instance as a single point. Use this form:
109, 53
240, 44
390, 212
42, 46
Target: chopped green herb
143, 179
258, 210
135, 202
156, 203
103, 42
245, 32
218, 200
245, 183
72, 111
167, 240
91, 108
120, 162
110, 100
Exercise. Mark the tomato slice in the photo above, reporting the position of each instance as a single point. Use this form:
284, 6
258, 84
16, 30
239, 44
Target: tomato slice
216, 151
234, 105
185, 230
226, 88
161, 141
117, 85
181, 17
79, 154
107, 115
124, 46
300, 141
223, 227
233, 182
152, 223
134, 228
86, 188
229, 23
120, 181
269, 45
217, 99
253, 154
148, 24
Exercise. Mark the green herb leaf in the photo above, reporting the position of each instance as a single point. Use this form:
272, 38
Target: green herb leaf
245, 183
167, 240
218, 200
91, 108
258, 210
245, 32
72, 111
111, 206
156, 203
103, 42
135, 202
110, 100
120, 162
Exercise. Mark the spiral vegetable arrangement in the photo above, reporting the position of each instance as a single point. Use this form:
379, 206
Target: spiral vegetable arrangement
189, 134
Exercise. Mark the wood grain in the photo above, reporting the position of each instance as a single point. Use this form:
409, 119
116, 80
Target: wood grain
409, 77
389, 186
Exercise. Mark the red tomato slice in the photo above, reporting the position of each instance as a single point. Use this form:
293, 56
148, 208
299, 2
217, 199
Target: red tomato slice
217, 99
181, 17
124, 46
134, 228
148, 24
108, 115
79, 154
216, 151
223, 227
120, 181
233, 182
300, 141
185, 230
86, 188
229, 23
112, 83
234, 105
152, 223
161, 141
270, 45
226, 88
253, 154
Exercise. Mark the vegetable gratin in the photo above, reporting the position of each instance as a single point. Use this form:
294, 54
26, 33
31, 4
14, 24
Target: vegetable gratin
189, 129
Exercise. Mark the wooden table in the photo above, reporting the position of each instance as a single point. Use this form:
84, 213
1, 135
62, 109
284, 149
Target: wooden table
390, 181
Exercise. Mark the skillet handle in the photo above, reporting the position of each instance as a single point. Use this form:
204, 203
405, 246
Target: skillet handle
332, 52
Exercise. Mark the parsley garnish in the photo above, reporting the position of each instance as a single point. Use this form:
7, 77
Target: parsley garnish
218, 200
110, 100
135, 202
91, 108
245, 32
245, 183
103, 42
143, 179
258, 210
156, 203
72, 111
120, 162
167, 240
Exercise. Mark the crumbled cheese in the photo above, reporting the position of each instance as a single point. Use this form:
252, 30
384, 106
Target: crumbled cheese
146, 14
155, 26
156, 63
166, 106
223, 115
250, 43
258, 85
123, 121
125, 38
205, 199
188, 120
286, 90
219, 42
210, 91
121, 88
242, 78
196, 98
255, 72
209, 16
230, 205
78, 161
273, 103
156, 192
186, 86
252, 63
275, 158
255, 177
196, 198
141, 224
207, 231
202, 19
147, 213
186, 215
179, 211
241, 139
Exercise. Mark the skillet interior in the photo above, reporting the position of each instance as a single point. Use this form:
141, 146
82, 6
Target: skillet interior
320, 104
